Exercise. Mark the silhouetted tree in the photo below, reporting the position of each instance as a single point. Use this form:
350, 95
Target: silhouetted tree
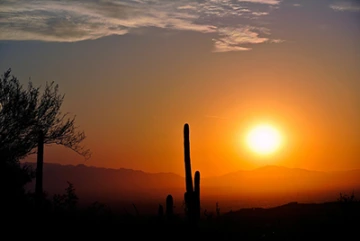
24, 113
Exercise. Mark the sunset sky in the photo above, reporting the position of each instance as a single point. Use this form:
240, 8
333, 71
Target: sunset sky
134, 72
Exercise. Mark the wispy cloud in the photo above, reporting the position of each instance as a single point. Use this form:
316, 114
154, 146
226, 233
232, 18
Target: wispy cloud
260, 13
76, 20
271, 2
351, 6
277, 41
231, 39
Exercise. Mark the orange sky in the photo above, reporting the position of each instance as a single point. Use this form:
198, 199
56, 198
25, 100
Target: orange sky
132, 92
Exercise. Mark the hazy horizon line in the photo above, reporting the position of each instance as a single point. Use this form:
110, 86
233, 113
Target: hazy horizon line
210, 176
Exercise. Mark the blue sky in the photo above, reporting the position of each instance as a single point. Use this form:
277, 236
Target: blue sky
134, 72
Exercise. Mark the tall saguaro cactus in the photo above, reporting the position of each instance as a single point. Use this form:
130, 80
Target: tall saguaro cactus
39, 169
188, 178
192, 194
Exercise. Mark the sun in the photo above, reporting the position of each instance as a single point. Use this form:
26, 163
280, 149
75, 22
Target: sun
263, 139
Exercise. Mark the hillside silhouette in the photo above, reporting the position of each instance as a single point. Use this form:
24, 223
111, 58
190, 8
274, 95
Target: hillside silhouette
268, 186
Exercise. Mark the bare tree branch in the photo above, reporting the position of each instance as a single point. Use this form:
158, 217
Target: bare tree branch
24, 112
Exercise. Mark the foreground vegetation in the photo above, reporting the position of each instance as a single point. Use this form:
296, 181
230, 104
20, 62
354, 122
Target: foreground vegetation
60, 216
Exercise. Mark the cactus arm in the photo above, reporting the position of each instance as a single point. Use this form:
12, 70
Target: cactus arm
197, 195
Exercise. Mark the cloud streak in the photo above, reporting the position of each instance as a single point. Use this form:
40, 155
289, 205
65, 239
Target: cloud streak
77, 20
270, 2
231, 39
349, 6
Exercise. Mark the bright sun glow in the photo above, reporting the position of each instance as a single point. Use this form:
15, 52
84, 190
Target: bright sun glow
263, 139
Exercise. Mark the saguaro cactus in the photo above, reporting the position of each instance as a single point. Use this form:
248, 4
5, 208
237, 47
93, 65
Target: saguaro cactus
192, 195
169, 207
188, 178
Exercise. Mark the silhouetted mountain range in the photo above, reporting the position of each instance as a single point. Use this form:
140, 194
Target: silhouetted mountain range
276, 178
272, 182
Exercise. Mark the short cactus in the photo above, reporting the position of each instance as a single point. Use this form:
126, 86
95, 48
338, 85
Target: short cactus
169, 207
160, 212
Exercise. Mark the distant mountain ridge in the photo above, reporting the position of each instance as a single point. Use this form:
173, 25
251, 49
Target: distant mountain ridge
91, 180
131, 184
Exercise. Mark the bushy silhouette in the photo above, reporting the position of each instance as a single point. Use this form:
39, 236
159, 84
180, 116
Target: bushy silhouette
13, 178
349, 206
67, 201
217, 209
346, 198
208, 215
